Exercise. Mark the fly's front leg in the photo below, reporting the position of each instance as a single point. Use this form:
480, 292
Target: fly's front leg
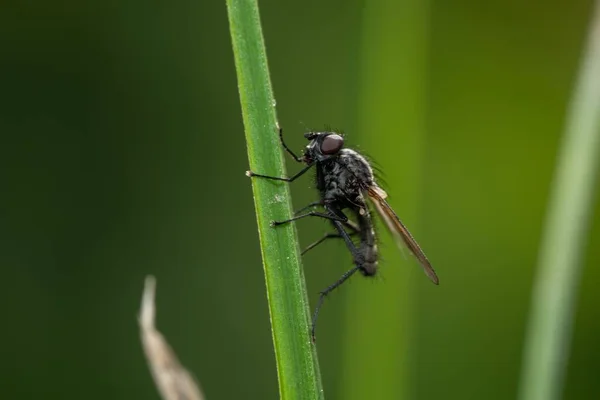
277, 178
290, 152
310, 214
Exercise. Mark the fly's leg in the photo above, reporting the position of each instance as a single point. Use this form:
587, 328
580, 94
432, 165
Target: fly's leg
318, 242
310, 214
311, 205
358, 261
324, 293
290, 152
277, 178
348, 224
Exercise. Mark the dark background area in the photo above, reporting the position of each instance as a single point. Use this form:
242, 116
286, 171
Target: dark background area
123, 154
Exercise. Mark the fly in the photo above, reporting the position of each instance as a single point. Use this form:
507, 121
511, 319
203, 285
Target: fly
345, 180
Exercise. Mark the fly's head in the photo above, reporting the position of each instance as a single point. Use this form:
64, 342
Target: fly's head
322, 146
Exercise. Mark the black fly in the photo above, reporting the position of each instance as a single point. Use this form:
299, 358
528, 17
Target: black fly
345, 180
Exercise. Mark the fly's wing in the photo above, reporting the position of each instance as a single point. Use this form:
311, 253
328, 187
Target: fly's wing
399, 231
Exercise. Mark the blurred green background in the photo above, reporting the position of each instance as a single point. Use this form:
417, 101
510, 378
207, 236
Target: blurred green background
123, 154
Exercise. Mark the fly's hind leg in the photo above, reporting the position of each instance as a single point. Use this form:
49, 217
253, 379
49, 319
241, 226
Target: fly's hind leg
324, 294
358, 261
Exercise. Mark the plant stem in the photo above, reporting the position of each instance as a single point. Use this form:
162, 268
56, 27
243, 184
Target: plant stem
559, 267
297, 364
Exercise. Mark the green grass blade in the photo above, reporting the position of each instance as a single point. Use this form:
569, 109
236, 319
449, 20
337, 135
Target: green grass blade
547, 342
297, 365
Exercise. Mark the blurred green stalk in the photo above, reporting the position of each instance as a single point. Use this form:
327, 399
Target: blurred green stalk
297, 365
391, 127
547, 343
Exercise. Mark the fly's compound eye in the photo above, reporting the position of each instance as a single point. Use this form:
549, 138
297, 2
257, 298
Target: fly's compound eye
332, 144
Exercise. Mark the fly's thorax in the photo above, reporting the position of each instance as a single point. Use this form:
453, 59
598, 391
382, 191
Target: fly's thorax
333, 181
343, 178
358, 166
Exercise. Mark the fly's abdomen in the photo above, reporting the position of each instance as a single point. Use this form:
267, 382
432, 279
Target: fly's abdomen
368, 243
369, 266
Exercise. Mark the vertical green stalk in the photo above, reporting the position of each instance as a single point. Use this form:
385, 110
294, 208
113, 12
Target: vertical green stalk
391, 118
551, 318
297, 365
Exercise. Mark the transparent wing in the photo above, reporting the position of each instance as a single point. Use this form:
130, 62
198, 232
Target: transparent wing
399, 231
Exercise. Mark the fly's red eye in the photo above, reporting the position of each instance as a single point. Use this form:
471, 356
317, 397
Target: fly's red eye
332, 144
